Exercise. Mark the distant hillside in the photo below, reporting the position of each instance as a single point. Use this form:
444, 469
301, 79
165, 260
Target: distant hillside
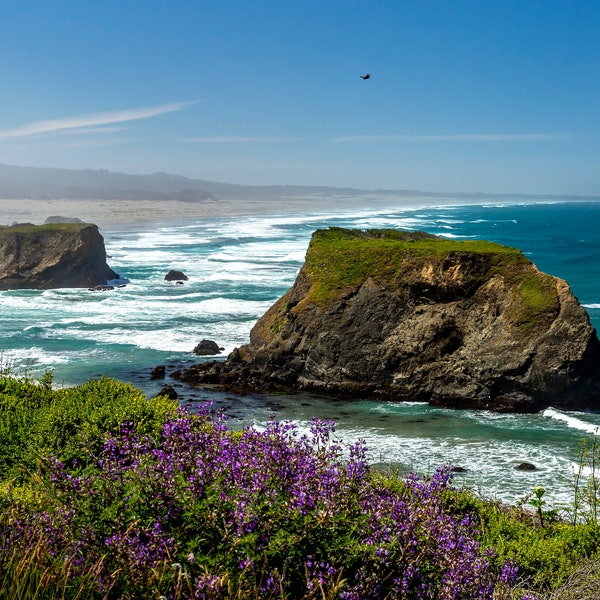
47, 184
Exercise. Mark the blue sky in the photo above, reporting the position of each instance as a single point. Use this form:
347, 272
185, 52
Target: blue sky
481, 95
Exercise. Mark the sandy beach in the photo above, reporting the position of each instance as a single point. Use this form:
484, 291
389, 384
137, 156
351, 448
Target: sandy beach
111, 213
120, 213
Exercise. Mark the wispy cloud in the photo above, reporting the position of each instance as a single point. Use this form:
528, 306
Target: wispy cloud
92, 120
457, 137
94, 130
237, 139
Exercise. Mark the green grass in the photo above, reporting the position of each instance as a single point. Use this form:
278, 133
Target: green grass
536, 302
30, 229
340, 259
547, 555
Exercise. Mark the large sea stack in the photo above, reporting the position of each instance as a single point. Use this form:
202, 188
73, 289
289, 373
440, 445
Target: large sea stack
52, 256
410, 316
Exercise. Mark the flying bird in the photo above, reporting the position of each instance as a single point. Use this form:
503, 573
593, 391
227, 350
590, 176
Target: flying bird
367, 76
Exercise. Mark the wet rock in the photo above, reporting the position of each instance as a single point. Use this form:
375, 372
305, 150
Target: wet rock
176, 276
207, 348
101, 288
168, 391
158, 372
526, 466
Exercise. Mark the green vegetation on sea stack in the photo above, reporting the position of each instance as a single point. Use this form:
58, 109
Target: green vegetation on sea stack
338, 260
105, 494
13, 237
30, 228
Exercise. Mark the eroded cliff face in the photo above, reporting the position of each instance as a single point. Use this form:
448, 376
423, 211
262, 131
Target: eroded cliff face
52, 256
408, 316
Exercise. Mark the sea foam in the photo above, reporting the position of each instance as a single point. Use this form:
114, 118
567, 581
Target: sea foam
572, 421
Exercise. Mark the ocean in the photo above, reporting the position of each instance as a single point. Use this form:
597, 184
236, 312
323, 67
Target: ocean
237, 268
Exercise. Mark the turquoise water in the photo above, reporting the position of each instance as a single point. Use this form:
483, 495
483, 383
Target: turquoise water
237, 267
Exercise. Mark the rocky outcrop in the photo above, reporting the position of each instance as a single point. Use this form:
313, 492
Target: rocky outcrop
52, 256
176, 276
207, 348
409, 316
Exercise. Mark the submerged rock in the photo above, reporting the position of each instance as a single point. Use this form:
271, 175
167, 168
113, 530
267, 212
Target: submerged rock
168, 391
158, 372
410, 316
53, 256
102, 288
525, 466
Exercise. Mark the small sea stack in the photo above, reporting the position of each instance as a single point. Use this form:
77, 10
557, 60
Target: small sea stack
56, 255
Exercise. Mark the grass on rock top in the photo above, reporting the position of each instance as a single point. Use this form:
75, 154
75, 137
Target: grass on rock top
30, 229
25, 240
340, 259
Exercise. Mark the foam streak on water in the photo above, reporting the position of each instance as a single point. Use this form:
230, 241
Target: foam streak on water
237, 267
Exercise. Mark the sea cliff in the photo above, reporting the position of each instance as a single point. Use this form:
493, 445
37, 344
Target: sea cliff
410, 316
52, 256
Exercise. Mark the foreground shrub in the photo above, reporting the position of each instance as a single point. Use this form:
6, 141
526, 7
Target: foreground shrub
547, 553
199, 512
36, 420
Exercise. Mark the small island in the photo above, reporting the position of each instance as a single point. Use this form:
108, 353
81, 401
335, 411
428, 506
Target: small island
55, 255
397, 315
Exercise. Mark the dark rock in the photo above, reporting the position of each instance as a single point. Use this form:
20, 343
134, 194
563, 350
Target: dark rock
397, 315
158, 372
175, 276
168, 391
102, 288
525, 466
207, 348
53, 256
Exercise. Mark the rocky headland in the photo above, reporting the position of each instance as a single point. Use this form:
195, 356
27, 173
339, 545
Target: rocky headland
51, 256
409, 316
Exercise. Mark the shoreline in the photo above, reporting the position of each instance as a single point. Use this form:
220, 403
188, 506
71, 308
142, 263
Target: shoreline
114, 334
121, 213
110, 213
116, 213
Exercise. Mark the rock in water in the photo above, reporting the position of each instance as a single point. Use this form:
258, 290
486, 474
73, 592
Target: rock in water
52, 256
176, 276
410, 316
168, 391
207, 348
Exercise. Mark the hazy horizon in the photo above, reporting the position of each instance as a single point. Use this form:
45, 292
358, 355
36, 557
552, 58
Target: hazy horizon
495, 97
21, 182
